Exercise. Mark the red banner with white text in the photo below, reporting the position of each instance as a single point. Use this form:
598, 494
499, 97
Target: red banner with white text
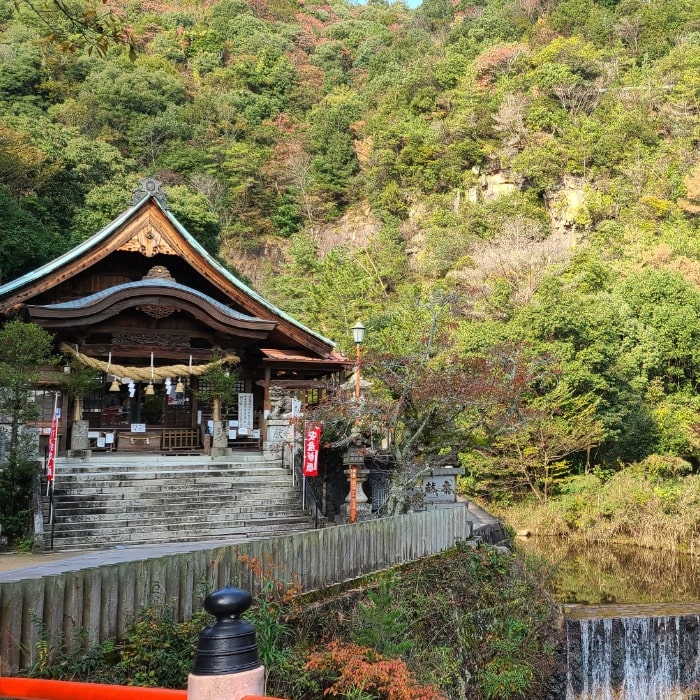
53, 439
312, 444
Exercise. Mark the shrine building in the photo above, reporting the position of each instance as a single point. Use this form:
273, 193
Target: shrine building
145, 306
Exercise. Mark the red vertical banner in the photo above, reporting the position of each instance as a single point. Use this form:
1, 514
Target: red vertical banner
53, 440
312, 444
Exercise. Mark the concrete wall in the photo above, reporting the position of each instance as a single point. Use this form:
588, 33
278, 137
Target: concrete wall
89, 605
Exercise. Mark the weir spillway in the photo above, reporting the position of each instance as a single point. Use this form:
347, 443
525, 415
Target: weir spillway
633, 652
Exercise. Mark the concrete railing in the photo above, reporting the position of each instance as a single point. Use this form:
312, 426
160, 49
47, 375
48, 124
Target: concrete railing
86, 606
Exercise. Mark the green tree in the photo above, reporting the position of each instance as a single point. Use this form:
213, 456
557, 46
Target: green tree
423, 402
25, 242
24, 349
664, 340
193, 212
219, 385
532, 446
331, 140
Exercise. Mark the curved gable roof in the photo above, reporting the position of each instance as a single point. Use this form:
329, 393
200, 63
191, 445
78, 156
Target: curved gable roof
151, 291
104, 242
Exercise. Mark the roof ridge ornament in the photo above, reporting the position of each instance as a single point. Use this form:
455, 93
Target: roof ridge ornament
150, 187
158, 272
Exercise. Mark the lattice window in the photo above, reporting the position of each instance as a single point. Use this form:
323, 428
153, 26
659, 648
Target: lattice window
229, 410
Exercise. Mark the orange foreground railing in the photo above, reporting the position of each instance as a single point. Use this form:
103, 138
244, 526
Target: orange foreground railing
38, 689
71, 690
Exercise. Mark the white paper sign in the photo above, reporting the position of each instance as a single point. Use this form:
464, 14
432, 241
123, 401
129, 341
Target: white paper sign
232, 435
245, 411
138, 427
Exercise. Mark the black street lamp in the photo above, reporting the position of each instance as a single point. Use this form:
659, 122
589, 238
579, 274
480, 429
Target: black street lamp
358, 335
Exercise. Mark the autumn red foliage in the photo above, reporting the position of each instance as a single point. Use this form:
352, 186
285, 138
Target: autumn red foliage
352, 667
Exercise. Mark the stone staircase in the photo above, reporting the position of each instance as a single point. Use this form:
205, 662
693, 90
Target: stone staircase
108, 501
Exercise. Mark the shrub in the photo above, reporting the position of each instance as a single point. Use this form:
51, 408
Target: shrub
351, 671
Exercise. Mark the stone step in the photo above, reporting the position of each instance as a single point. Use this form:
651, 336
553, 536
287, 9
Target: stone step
127, 499
193, 527
224, 535
202, 511
232, 511
192, 499
170, 519
166, 531
157, 506
121, 491
146, 480
160, 494
155, 480
158, 497
147, 473
173, 489
250, 468
98, 458
169, 484
201, 477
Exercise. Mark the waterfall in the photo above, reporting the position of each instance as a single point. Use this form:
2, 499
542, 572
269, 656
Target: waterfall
633, 658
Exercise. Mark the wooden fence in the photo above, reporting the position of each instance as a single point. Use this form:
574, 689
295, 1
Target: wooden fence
86, 606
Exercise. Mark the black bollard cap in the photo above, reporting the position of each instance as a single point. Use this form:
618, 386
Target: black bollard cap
228, 645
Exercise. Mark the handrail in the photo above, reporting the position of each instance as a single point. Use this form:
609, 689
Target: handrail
308, 491
43, 689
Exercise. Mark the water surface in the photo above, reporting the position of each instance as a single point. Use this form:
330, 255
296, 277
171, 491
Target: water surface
615, 575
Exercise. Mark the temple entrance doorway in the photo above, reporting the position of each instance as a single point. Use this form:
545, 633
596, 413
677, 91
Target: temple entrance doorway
163, 404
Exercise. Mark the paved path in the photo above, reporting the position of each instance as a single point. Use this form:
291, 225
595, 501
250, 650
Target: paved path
15, 566
21, 566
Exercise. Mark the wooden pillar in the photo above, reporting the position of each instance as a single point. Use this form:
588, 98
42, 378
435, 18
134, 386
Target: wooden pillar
63, 427
266, 403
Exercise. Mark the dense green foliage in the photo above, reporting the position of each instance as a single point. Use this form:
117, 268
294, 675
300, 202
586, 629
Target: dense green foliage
533, 164
652, 504
471, 623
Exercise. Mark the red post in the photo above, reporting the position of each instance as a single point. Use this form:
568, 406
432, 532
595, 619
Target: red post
353, 493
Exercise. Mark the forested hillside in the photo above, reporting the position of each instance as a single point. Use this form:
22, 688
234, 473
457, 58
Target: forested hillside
523, 173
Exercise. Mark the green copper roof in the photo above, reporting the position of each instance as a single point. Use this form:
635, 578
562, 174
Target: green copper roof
67, 257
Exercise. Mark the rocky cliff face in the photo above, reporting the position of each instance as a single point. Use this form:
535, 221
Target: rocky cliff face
358, 225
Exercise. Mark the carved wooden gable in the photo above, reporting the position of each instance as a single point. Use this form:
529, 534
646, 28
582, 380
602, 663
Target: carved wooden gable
148, 239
